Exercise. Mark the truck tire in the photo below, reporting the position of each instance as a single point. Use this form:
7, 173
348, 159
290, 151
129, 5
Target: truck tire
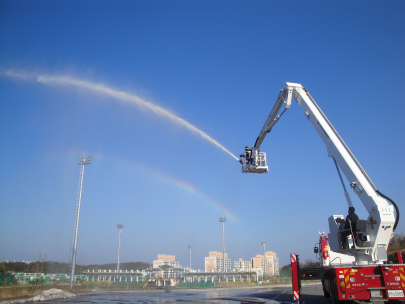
334, 294
325, 292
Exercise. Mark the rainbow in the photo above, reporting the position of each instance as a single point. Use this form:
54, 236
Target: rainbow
202, 197
179, 184
188, 189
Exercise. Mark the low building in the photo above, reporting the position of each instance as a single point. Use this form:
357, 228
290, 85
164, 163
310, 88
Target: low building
164, 259
166, 266
214, 262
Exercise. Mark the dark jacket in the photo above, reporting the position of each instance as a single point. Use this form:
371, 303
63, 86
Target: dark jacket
353, 219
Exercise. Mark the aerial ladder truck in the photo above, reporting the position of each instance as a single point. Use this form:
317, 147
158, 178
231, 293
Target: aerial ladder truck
359, 271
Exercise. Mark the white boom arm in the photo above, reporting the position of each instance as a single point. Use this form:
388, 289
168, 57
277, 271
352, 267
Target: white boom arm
381, 222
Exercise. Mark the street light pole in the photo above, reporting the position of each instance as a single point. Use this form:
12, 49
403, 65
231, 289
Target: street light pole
189, 247
264, 255
223, 220
81, 162
119, 226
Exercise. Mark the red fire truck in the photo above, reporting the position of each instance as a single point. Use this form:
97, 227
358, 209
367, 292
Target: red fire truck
353, 255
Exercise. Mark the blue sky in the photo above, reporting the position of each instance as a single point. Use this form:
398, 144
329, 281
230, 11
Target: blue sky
219, 65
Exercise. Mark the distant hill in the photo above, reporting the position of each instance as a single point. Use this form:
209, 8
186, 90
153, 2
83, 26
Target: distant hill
62, 267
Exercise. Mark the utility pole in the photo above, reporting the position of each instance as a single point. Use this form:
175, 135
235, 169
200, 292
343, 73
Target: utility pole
223, 220
81, 162
119, 226
189, 247
264, 255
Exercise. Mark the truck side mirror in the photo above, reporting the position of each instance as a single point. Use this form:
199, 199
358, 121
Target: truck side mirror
315, 249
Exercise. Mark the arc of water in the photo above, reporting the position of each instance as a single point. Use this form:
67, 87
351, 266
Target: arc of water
131, 98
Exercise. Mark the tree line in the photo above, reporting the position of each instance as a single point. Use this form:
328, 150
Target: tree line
63, 267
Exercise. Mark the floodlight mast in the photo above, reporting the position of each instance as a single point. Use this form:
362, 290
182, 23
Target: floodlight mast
189, 247
223, 220
264, 254
81, 162
119, 226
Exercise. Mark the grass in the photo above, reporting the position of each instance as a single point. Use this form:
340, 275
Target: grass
237, 283
13, 291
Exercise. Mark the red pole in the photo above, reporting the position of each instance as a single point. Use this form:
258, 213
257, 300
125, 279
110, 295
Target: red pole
399, 256
295, 283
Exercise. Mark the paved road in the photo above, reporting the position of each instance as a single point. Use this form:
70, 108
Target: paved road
281, 294
311, 293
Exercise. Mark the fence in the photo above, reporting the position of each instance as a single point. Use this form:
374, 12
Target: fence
198, 284
7, 278
283, 277
21, 278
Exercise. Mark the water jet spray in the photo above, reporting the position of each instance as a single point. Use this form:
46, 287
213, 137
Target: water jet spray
122, 96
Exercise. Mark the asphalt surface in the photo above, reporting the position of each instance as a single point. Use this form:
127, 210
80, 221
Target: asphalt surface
272, 294
311, 293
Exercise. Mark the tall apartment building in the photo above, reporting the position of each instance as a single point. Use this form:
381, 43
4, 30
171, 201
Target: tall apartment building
243, 265
257, 262
214, 262
273, 267
267, 263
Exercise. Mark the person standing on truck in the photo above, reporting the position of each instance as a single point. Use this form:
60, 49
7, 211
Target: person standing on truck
350, 227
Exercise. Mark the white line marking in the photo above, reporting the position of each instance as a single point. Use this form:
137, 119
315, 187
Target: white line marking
279, 294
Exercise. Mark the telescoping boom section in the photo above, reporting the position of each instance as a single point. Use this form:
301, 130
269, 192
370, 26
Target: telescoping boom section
358, 250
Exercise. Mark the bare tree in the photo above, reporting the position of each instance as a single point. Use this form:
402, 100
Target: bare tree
397, 243
39, 265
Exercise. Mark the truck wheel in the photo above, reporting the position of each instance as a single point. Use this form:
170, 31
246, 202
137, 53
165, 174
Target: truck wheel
325, 292
334, 294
